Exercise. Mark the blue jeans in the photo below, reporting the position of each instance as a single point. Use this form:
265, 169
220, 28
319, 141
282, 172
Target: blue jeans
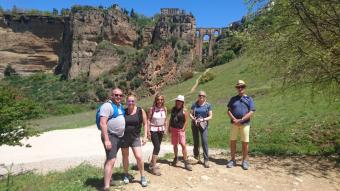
196, 131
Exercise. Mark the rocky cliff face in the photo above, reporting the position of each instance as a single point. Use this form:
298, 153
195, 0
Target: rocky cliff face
84, 31
30, 43
98, 43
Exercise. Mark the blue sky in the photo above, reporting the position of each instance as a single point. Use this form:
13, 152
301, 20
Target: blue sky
208, 13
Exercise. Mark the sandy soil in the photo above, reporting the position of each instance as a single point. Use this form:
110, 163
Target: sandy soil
62, 149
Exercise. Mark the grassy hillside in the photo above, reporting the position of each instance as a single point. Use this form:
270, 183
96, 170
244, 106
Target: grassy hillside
292, 122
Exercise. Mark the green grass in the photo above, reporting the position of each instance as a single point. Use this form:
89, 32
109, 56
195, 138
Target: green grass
82, 177
64, 122
292, 122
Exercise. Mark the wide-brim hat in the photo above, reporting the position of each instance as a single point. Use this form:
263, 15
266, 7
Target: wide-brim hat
180, 98
240, 83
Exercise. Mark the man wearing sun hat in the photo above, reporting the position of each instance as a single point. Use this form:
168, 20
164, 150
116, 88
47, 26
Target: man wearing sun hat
240, 109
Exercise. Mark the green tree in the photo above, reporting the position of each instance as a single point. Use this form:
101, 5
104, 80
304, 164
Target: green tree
133, 14
300, 40
13, 111
64, 12
55, 12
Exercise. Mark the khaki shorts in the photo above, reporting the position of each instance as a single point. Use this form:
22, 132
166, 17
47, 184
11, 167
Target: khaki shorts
244, 131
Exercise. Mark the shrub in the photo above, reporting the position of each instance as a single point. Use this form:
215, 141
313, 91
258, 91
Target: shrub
9, 71
101, 93
208, 76
187, 75
136, 82
224, 58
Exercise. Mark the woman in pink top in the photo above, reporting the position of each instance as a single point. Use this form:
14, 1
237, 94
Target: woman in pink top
157, 128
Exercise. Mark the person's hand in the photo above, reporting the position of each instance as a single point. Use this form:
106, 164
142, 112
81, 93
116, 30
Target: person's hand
108, 145
144, 141
149, 135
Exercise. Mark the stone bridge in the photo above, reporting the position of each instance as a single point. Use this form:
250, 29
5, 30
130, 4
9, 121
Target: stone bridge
206, 35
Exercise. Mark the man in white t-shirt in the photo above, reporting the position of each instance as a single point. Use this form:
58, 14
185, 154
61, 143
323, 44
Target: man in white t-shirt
112, 127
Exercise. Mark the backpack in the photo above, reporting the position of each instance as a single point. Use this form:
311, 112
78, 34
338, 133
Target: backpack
115, 113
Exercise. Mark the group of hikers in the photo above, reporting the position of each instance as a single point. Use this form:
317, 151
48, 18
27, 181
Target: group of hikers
121, 128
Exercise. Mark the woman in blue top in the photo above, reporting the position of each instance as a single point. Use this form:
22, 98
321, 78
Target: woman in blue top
200, 114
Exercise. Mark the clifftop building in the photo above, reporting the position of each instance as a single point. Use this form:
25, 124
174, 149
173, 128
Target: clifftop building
172, 11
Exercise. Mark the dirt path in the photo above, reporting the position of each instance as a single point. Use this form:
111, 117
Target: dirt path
62, 149
198, 80
192, 90
266, 173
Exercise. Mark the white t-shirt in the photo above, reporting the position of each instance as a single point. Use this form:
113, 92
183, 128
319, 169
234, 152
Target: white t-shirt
115, 125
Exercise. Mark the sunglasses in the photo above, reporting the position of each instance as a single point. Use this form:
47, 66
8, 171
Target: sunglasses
118, 95
201, 95
240, 87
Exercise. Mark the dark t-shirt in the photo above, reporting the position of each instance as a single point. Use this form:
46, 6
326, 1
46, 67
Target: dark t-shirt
177, 118
133, 123
240, 106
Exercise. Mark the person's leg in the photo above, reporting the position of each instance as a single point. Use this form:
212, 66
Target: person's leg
195, 137
204, 137
245, 148
156, 148
245, 141
110, 160
137, 151
233, 149
176, 151
125, 153
108, 165
233, 137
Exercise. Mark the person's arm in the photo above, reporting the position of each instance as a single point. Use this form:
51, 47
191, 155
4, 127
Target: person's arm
247, 116
186, 118
231, 116
103, 125
166, 125
210, 114
149, 122
145, 125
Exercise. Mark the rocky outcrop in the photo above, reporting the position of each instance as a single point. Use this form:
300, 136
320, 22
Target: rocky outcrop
165, 66
30, 43
84, 31
181, 26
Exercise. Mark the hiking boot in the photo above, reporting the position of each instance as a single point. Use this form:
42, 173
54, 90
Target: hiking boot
174, 162
156, 171
143, 181
206, 164
245, 165
126, 179
197, 158
187, 166
231, 164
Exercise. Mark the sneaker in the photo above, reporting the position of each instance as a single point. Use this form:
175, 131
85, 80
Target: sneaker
206, 164
143, 181
245, 165
187, 166
231, 164
126, 179
174, 162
